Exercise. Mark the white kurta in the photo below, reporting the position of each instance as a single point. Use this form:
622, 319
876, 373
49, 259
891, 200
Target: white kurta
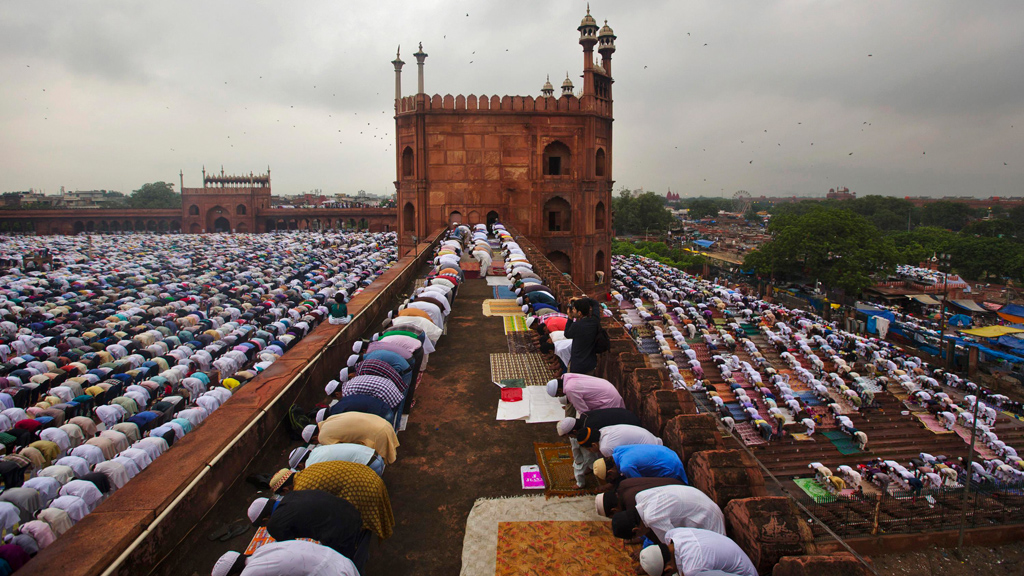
702, 550
298, 558
624, 434
664, 508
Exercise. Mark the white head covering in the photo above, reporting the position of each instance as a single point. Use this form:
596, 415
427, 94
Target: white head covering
343, 376
256, 508
519, 300
320, 415
296, 456
352, 360
599, 504
652, 560
357, 347
530, 321
224, 563
526, 308
331, 387
552, 388
308, 432
565, 426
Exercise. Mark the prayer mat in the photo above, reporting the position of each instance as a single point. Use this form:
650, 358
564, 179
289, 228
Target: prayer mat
749, 434
498, 281
801, 437
502, 308
816, 491
515, 324
560, 549
504, 293
648, 346
530, 367
555, 462
931, 424
519, 342
980, 448
1014, 416
513, 383
262, 538
842, 442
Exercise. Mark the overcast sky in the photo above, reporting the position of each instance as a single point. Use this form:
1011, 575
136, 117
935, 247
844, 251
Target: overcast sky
776, 98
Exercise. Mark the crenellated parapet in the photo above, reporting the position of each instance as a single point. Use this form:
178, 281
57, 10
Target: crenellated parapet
505, 104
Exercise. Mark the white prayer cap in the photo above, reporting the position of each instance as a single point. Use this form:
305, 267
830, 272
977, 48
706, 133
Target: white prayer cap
256, 508
320, 415
519, 300
297, 455
526, 308
518, 290
352, 360
224, 563
530, 321
599, 504
357, 347
331, 387
308, 432
565, 426
376, 336
652, 560
343, 376
552, 387
391, 313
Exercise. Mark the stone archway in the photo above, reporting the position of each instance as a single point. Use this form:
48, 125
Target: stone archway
195, 228
455, 217
213, 215
561, 261
557, 215
492, 217
221, 225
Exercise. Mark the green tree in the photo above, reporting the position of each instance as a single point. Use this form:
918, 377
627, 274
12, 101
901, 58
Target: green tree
155, 195
638, 214
703, 208
835, 246
945, 214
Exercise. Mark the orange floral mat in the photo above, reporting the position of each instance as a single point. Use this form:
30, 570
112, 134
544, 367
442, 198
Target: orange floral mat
560, 549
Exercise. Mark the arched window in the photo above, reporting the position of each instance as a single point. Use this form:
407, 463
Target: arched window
557, 159
409, 217
561, 261
558, 215
193, 210
599, 162
408, 163
599, 217
599, 267
455, 217
240, 209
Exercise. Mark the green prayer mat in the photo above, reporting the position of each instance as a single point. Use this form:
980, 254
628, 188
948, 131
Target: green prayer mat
513, 383
842, 442
817, 493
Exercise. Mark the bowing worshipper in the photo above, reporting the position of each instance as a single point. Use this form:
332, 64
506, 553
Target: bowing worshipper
14, 556
356, 428
537, 297
640, 460
353, 482
26, 499
596, 420
605, 440
584, 394
623, 497
661, 509
343, 452
288, 558
383, 388
692, 551
312, 514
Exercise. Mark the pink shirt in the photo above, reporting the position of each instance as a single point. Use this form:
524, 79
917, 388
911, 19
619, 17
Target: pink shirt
588, 393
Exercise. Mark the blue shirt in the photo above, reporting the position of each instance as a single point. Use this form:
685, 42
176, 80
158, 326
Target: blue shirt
395, 360
648, 461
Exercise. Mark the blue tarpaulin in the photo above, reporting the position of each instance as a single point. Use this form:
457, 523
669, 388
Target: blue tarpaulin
960, 320
1016, 344
704, 243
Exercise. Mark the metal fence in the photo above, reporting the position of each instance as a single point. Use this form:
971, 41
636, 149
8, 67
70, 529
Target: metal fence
907, 512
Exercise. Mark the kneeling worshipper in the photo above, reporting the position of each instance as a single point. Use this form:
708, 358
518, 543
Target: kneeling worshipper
607, 439
659, 510
623, 496
640, 460
353, 482
356, 428
288, 558
312, 514
692, 551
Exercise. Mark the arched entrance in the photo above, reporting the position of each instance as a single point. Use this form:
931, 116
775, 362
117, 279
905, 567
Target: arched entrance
599, 217
600, 267
409, 217
214, 218
558, 215
221, 225
455, 217
492, 217
561, 261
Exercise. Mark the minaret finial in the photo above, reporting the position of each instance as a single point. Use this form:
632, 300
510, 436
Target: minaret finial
398, 54
588, 7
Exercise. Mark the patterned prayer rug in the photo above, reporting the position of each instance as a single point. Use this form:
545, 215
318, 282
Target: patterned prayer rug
560, 549
555, 462
812, 488
801, 437
749, 434
519, 343
502, 308
931, 424
530, 367
515, 324
980, 448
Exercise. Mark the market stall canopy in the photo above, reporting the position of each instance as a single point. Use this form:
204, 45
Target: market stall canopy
925, 299
992, 331
969, 305
704, 243
960, 320
1012, 313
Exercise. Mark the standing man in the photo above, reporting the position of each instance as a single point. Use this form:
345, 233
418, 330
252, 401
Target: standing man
582, 328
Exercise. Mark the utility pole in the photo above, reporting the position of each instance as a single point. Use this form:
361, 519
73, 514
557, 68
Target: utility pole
967, 482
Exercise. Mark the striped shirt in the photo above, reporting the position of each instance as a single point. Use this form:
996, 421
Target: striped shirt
376, 386
383, 369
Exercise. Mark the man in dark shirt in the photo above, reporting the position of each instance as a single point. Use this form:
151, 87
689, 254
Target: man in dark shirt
313, 514
583, 325
597, 419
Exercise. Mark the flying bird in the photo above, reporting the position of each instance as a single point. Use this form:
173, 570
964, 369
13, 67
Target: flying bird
705, 43
751, 162
851, 153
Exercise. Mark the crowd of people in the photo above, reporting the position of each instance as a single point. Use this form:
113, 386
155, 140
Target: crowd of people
330, 501
128, 343
819, 374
